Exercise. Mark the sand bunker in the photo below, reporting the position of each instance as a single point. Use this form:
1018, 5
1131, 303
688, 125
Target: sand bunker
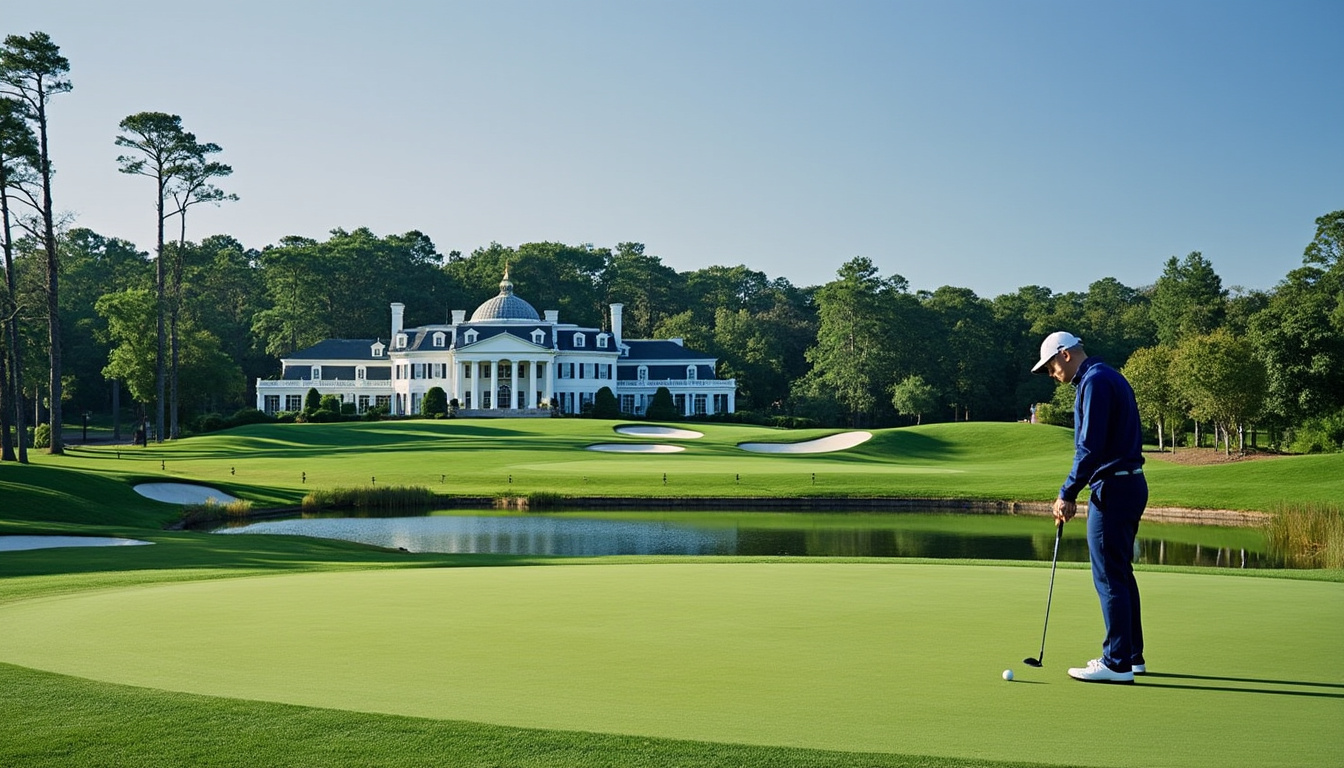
182, 493
636, 448
680, 434
826, 444
15, 543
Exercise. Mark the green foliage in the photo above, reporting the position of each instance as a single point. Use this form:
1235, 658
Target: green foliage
912, 396
312, 401
605, 405
1307, 535
1149, 374
1220, 379
385, 499
435, 402
1323, 434
1188, 299
662, 407
42, 436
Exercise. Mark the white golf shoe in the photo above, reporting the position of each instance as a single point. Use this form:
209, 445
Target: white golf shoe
1096, 671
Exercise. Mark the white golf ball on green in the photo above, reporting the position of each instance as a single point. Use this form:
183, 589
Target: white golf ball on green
1007, 674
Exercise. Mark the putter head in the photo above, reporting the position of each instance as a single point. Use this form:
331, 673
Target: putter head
1032, 662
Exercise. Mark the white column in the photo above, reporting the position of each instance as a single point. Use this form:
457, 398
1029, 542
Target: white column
494, 384
475, 383
550, 379
531, 401
457, 381
513, 384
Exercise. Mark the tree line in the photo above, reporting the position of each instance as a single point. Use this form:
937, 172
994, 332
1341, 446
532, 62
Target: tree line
184, 330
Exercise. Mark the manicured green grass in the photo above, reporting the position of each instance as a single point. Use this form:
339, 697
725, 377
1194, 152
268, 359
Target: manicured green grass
345, 654
278, 464
834, 656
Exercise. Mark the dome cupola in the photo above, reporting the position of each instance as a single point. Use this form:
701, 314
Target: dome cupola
505, 306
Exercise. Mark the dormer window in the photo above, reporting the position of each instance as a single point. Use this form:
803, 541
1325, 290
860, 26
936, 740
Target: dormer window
690, 373
401, 341
602, 341
579, 340
377, 348
317, 373
470, 336
643, 373
439, 339
538, 337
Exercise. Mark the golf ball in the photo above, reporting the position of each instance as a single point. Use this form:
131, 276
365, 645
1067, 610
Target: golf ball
1007, 674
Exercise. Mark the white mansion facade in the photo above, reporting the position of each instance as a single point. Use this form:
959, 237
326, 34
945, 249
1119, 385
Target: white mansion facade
505, 361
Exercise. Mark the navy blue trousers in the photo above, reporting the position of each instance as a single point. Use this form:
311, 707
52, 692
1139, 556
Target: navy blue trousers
1113, 514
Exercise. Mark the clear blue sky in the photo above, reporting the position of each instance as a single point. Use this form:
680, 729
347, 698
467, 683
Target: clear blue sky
987, 145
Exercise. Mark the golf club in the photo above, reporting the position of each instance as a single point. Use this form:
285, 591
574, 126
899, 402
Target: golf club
1059, 532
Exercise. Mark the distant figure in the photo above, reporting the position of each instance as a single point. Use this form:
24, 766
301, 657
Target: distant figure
1108, 457
140, 435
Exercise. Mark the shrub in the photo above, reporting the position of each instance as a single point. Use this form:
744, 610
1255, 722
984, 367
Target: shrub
42, 436
605, 405
435, 402
249, 416
312, 400
662, 407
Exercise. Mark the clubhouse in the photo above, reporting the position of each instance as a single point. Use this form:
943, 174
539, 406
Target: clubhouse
505, 361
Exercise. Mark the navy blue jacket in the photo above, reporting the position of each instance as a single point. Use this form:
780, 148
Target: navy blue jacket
1107, 433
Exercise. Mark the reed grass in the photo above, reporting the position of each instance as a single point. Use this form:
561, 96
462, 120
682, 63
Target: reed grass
392, 498
211, 511
1307, 535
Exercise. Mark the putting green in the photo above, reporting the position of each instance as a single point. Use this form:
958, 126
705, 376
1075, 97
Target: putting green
850, 656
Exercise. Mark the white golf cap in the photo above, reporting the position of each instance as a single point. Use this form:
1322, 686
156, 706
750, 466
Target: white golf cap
1053, 345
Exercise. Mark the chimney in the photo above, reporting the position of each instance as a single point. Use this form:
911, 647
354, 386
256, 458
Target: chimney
459, 316
398, 310
552, 316
616, 322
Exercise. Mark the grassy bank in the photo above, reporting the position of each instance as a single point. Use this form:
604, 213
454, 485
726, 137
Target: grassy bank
279, 464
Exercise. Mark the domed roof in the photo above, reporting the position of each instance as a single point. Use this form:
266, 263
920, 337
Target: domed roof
505, 306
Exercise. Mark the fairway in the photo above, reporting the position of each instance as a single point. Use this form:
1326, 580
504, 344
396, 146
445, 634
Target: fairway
853, 656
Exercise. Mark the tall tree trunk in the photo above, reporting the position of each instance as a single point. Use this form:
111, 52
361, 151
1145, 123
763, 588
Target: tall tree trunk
116, 410
15, 360
53, 279
159, 372
6, 423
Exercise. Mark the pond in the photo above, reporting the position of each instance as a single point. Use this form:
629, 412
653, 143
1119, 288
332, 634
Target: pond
964, 536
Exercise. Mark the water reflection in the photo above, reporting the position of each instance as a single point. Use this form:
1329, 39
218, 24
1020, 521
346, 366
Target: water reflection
788, 535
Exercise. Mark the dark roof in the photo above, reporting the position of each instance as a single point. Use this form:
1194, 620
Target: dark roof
650, 349
340, 349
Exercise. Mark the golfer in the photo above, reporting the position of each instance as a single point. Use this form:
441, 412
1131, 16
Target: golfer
1108, 457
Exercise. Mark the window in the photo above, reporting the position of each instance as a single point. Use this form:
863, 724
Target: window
317, 373
470, 336
272, 404
700, 405
377, 348
361, 373
363, 403
602, 341
538, 337
401, 341
293, 402
627, 403
690, 373
439, 339
579, 340
643, 374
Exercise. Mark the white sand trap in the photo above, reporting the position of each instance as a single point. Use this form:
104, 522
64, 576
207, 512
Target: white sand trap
839, 442
680, 434
182, 493
16, 543
636, 448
